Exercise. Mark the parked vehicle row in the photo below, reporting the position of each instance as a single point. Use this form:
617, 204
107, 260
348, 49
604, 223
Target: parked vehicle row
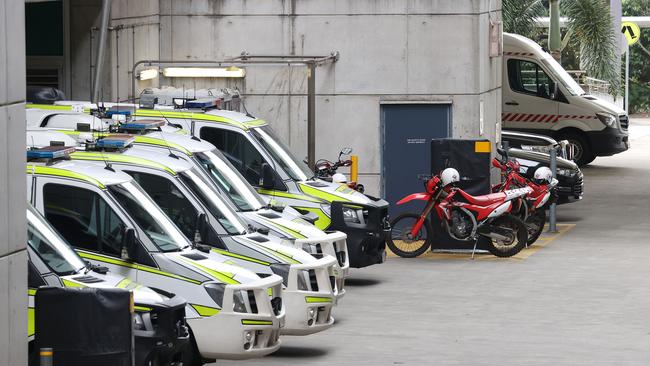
143, 198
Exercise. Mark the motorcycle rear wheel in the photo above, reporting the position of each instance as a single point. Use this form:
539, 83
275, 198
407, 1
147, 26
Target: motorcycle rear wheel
535, 225
517, 238
401, 242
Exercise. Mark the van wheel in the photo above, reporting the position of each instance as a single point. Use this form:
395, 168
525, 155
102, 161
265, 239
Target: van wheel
582, 152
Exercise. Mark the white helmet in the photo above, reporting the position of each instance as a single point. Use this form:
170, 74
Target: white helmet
542, 175
338, 178
449, 176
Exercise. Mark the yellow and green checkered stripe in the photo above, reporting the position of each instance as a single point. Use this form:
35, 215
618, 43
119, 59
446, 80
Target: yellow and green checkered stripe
205, 310
329, 197
224, 277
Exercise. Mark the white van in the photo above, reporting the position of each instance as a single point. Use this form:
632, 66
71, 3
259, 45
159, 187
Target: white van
540, 96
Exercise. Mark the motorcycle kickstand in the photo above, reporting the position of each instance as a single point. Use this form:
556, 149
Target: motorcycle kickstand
475, 244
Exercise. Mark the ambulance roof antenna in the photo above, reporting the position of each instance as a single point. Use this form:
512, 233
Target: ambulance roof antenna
162, 136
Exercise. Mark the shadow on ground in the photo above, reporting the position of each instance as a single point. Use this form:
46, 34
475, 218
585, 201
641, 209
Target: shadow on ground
361, 282
299, 352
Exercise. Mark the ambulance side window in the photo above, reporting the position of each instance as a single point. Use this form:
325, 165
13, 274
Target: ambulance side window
84, 219
173, 203
528, 77
241, 152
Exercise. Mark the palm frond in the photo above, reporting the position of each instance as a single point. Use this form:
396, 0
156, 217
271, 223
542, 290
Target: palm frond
590, 23
519, 16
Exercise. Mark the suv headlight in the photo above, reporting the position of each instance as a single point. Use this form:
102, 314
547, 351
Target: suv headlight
350, 215
215, 290
282, 270
565, 172
606, 118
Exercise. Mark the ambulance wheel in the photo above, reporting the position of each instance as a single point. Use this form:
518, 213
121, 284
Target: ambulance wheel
582, 151
191, 355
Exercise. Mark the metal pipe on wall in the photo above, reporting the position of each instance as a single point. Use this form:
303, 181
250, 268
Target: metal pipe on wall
101, 47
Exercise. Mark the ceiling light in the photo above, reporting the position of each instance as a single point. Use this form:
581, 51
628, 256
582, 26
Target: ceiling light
204, 72
148, 74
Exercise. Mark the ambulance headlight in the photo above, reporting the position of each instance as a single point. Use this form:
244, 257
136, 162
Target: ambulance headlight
327, 209
310, 248
350, 215
606, 118
302, 281
138, 322
238, 304
216, 290
282, 270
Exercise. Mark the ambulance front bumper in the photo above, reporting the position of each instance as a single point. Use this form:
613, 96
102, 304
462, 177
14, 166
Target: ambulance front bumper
238, 335
310, 295
333, 244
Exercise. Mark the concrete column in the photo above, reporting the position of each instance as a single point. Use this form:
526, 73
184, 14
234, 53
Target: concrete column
13, 257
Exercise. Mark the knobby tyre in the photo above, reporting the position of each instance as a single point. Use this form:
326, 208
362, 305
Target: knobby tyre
535, 225
401, 242
515, 242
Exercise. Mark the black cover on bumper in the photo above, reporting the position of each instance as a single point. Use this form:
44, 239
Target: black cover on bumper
366, 242
609, 141
169, 337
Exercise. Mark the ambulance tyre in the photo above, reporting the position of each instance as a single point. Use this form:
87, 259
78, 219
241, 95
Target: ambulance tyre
191, 355
583, 154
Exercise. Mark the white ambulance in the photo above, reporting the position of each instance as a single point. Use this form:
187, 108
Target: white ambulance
539, 96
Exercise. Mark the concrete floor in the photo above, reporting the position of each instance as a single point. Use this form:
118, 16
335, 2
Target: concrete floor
583, 299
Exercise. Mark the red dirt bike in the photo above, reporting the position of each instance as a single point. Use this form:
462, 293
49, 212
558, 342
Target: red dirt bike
326, 170
533, 208
465, 217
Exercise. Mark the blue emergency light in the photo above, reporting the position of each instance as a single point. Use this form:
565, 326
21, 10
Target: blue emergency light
111, 112
142, 124
50, 152
201, 103
115, 142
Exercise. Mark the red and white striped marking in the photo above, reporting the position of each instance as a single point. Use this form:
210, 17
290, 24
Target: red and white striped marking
539, 118
528, 54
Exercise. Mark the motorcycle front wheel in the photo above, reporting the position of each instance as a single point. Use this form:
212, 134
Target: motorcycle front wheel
535, 225
514, 233
402, 242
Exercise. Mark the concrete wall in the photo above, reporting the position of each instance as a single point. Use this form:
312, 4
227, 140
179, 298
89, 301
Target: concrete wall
410, 50
13, 257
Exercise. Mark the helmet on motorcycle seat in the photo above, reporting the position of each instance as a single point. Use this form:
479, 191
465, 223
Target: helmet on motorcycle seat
339, 178
543, 175
449, 176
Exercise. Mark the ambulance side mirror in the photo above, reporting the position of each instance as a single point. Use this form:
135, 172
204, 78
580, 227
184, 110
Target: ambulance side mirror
128, 244
267, 180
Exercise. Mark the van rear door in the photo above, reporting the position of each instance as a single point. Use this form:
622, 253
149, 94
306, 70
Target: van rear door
528, 96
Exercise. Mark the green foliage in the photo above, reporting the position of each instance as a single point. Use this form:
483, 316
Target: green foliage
639, 60
590, 24
519, 16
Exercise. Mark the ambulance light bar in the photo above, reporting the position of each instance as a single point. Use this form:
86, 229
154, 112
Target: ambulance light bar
142, 124
50, 152
115, 141
201, 103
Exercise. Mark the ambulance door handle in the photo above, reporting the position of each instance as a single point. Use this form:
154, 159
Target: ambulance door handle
512, 102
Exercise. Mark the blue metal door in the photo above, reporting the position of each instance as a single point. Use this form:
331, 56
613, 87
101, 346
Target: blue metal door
407, 130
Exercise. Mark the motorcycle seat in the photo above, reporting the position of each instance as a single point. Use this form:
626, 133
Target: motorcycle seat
484, 200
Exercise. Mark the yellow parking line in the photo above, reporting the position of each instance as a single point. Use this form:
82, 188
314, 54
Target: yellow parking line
544, 240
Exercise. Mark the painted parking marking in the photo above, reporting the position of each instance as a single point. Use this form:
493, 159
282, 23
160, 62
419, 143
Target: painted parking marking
544, 240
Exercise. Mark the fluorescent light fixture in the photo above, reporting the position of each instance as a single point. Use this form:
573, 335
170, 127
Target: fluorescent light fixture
148, 74
204, 72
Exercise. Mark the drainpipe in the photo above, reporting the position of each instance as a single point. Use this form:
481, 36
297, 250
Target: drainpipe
554, 38
101, 47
